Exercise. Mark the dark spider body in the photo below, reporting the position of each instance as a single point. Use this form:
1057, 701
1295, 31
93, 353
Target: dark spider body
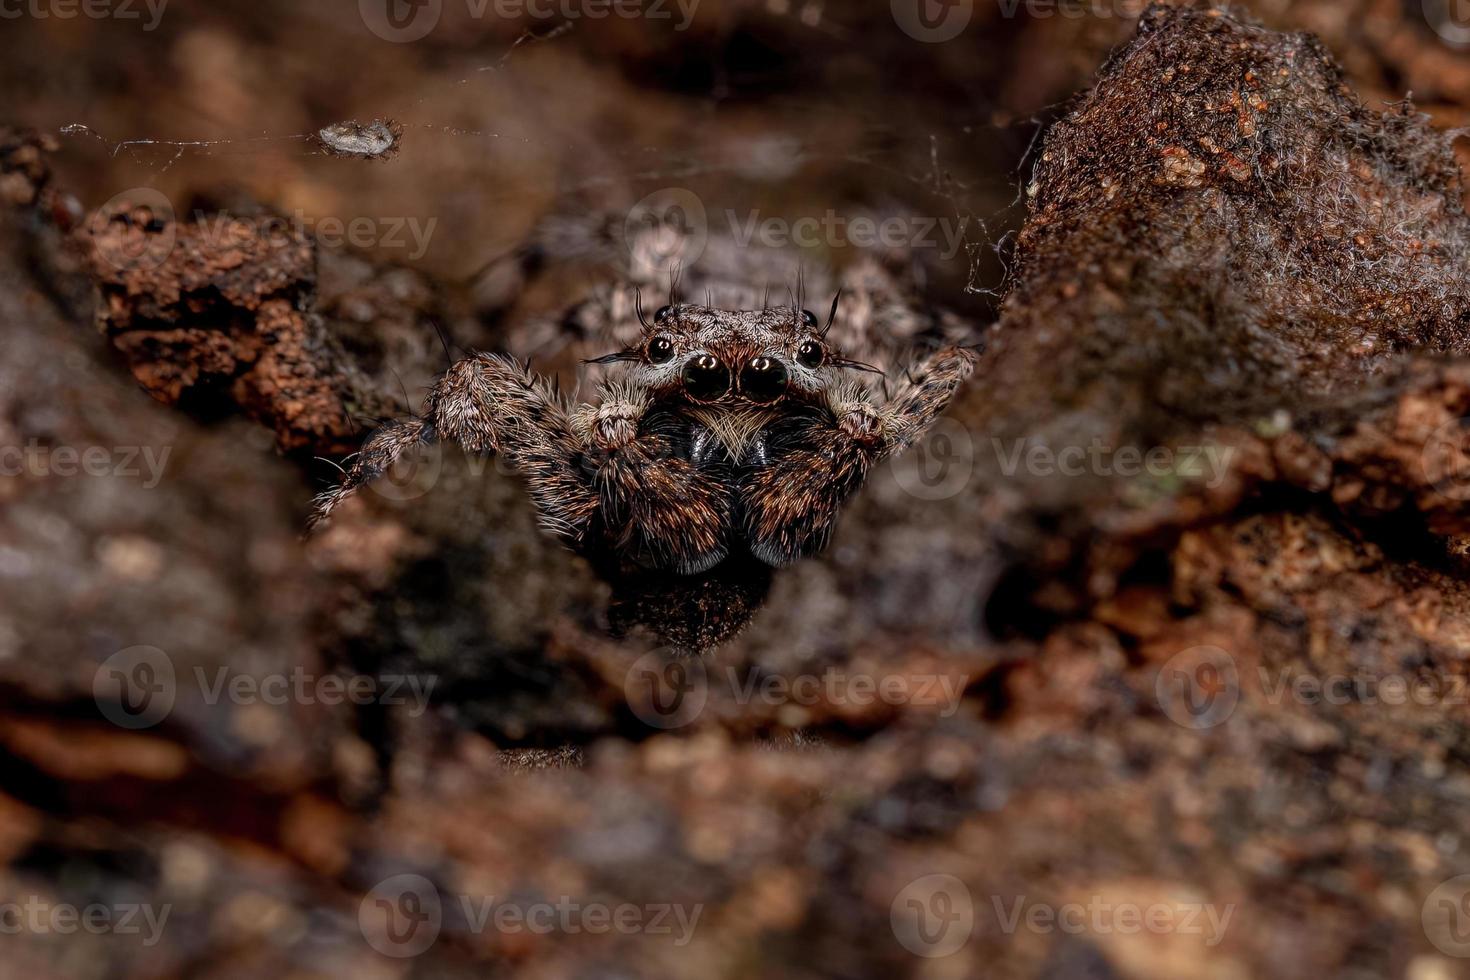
726, 449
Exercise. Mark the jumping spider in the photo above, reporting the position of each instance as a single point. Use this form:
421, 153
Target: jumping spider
725, 449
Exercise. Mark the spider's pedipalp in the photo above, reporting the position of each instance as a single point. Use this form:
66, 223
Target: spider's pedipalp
791, 505
661, 508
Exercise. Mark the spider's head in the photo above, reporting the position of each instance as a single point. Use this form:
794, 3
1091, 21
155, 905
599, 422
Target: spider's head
735, 358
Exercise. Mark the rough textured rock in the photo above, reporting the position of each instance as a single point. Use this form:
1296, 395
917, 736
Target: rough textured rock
1287, 247
212, 313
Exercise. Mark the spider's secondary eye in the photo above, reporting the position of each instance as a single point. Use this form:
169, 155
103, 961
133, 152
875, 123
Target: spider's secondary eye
660, 350
809, 319
662, 314
810, 354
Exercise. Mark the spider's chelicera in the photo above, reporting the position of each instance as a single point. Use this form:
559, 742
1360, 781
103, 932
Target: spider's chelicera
726, 447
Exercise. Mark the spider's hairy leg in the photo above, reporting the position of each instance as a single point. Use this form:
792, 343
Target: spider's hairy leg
490, 403
923, 397
791, 505
658, 507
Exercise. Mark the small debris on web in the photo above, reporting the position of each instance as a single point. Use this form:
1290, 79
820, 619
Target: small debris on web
377, 140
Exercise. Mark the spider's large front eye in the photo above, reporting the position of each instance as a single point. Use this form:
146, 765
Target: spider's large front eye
810, 354
706, 378
763, 379
660, 350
